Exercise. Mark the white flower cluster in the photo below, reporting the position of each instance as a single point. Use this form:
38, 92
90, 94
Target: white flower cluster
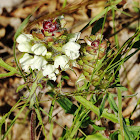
35, 56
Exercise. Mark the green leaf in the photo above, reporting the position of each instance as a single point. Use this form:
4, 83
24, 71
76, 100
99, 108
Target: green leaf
13, 121
78, 120
117, 84
98, 128
86, 121
98, 25
23, 25
21, 87
51, 110
118, 62
115, 135
128, 134
97, 136
101, 14
50, 84
101, 108
7, 74
7, 67
112, 103
65, 77
129, 121
122, 88
65, 103
133, 128
40, 121
95, 109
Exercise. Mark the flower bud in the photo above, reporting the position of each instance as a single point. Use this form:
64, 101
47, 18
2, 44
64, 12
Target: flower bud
92, 53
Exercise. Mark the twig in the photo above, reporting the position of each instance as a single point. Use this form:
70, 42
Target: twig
33, 124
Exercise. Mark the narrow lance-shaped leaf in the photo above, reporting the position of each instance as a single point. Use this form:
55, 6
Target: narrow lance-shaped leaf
65, 103
101, 108
21, 87
127, 133
51, 110
101, 14
7, 67
40, 121
98, 25
95, 109
97, 136
112, 103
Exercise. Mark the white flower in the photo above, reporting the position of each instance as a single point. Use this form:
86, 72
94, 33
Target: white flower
22, 38
24, 41
50, 71
39, 49
71, 49
52, 76
38, 62
26, 62
75, 36
25, 47
61, 61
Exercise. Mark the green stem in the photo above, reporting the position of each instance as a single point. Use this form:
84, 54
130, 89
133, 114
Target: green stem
120, 112
51, 131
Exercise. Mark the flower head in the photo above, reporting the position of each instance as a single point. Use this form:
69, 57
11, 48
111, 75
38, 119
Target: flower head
49, 49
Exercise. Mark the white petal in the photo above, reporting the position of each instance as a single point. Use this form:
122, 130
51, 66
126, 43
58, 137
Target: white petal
88, 42
72, 55
26, 62
52, 76
38, 62
26, 58
22, 38
61, 61
74, 64
48, 69
24, 47
56, 71
39, 49
71, 49
73, 46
